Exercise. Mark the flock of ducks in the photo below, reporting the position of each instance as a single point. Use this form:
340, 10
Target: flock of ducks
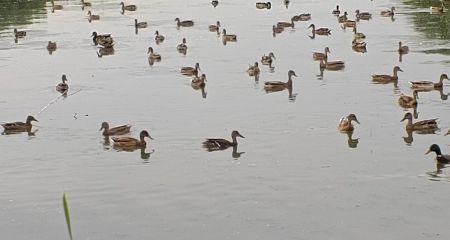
106, 42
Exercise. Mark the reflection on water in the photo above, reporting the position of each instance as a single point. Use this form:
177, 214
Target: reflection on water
434, 26
439, 174
17, 13
352, 142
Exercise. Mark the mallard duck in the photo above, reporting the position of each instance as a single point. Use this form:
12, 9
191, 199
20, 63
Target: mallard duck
120, 130
349, 23
333, 66
358, 35
214, 28
278, 85
199, 82
92, 16
63, 86
320, 31
320, 56
20, 126
363, 15
139, 24
182, 47
253, 70
428, 85
19, 34
420, 125
387, 78
277, 29
302, 17
345, 124
408, 101
262, 5
125, 142
85, 4
228, 37
105, 39
402, 49
359, 46
185, 23
128, 7
286, 24
158, 37
214, 3
435, 9
336, 11
56, 7
189, 71
388, 13
343, 18
440, 158
213, 144
267, 60
51, 46
153, 55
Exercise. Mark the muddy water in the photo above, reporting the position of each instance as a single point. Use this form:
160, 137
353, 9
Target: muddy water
292, 177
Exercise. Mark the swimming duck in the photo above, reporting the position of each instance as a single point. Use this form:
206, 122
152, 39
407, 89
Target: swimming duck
345, 124
213, 144
214, 28
189, 71
85, 4
51, 46
159, 38
343, 18
286, 24
253, 70
20, 126
302, 17
228, 37
408, 101
333, 66
440, 158
105, 39
139, 24
358, 35
427, 85
363, 15
387, 78
262, 5
214, 3
182, 47
388, 13
278, 85
153, 55
320, 56
336, 11
420, 125
93, 17
56, 7
128, 7
402, 49
320, 31
277, 29
19, 34
120, 130
199, 82
186, 23
435, 9
125, 142
359, 46
349, 23
267, 60
62, 87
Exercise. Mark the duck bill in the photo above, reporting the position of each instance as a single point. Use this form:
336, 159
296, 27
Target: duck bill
101, 129
403, 119
428, 151
150, 137
239, 135
356, 120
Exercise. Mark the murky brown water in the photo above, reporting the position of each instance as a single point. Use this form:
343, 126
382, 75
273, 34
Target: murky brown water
296, 177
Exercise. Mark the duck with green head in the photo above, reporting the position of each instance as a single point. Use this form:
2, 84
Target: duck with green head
440, 158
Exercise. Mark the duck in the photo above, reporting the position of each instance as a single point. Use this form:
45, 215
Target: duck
387, 78
345, 124
349, 23
277, 29
408, 101
286, 24
214, 28
402, 49
336, 11
139, 24
92, 16
103, 39
429, 124
128, 7
86, 4
228, 37
437, 10
302, 17
153, 55
359, 46
263, 5
158, 37
213, 144
51, 46
20, 126
63, 87
428, 85
267, 60
199, 82
357, 34
19, 34
189, 71
320, 31
440, 158
56, 7
320, 56
120, 130
388, 13
363, 15
126, 142
333, 66
214, 3
253, 70
342, 18
182, 47
185, 23
278, 85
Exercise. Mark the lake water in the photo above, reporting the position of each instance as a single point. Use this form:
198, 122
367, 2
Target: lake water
294, 176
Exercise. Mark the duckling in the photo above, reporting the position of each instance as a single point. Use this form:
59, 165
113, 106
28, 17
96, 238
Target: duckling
56, 7
253, 70
286, 24
127, 142
214, 3
336, 11
382, 78
186, 23
363, 15
93, 17
407, 101
345, 124
320, 31
189, 71
319, 55
267, 60
388, 13
120, 130
437, 10
128, 7
63, 87
20, 126
19, 34
333, 66
277, 29
262, 5
139, 24
343, 18
440, 158
402, 49
85, 4
421, 125
182, 47
214, 28
159, 38
278, 85
228, 37
302, 17
104, 39
213, 144
358, 35
428, 85
199, 82
51, 46
153, 55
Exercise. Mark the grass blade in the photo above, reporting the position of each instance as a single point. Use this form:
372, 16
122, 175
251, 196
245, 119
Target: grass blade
67, 213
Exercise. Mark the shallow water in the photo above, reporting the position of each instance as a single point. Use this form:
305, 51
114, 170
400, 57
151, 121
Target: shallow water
297, 177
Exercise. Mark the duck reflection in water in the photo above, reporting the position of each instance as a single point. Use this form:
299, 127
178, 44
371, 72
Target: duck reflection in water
409, 138
28, 131
352, 142
219, 144
199, 83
